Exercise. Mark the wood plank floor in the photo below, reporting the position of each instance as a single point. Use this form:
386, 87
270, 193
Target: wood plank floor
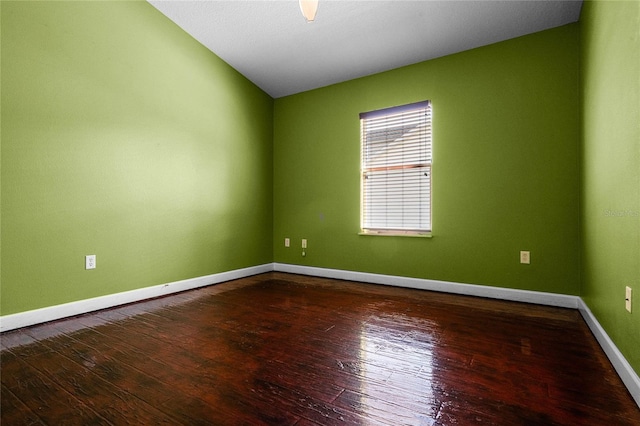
280, 349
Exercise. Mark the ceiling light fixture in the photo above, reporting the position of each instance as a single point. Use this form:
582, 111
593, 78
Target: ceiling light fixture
309, 9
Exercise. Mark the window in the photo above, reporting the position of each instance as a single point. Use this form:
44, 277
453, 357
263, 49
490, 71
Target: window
396, 170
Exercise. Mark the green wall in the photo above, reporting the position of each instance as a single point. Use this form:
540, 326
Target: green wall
610, 34
505, 170
125, 138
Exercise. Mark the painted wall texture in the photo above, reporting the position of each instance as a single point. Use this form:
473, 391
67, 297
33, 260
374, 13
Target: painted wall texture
610, 70
505, 168
125, 138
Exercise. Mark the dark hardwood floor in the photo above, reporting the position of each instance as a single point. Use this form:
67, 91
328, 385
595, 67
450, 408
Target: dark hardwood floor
282, 349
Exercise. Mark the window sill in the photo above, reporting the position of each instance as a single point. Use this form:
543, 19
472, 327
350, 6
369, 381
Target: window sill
411, 234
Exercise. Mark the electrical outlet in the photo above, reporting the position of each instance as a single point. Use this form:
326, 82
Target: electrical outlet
287, 242
525, 257
627, 299
90, 261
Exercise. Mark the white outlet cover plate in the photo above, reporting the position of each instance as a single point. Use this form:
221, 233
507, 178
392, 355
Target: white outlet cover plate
90, 261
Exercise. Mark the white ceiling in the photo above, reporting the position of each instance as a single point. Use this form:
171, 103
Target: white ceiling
271, 44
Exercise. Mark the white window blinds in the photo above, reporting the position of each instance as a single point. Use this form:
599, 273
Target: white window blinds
396, 169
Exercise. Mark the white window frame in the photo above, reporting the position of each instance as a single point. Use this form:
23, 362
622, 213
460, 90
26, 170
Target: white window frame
396, 170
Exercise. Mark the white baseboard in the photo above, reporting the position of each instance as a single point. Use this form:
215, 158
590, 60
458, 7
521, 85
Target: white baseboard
537, 297
619, 362
621, 365
51, 313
